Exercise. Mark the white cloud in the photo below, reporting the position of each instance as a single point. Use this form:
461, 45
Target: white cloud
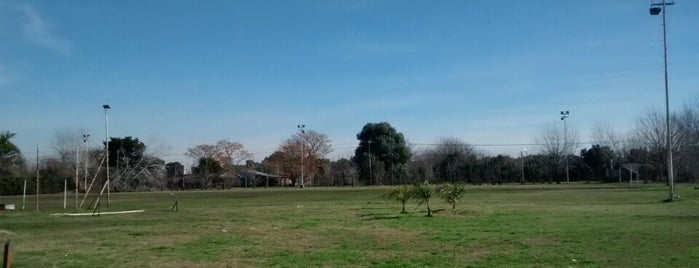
38, 31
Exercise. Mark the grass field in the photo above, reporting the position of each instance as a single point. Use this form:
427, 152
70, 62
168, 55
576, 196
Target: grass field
582, 225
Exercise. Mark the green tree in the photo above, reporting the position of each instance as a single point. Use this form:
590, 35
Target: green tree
451, 193
423, 193
380, 145
124, 152
598, 158
401, 194
11, 161
209, 165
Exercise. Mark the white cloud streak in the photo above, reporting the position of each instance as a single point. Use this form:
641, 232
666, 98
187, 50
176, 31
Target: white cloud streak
38, 31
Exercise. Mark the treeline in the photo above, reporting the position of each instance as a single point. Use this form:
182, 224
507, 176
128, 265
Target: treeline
382, 157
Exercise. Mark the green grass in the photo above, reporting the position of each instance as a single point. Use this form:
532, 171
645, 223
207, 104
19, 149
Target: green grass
579, 225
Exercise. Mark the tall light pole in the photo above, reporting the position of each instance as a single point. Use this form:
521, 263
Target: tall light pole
87, 159
106, 144
655, 9
564, 115
77, 182
302, 130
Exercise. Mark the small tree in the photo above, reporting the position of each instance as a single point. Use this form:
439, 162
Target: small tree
401, 194
451, 193
423, 192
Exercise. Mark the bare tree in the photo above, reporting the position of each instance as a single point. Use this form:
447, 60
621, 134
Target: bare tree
287, 158
67, 144
650, 133
689, 129
230, 154
314, 146
605, 135
202, 152
422, 165
453, 159
556, 147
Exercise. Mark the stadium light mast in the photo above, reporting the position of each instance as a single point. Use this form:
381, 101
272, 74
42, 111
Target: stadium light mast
86, 137
302, 130
106, 144
655, 9
564, 115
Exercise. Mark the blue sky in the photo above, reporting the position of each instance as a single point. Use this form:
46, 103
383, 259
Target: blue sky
181, 73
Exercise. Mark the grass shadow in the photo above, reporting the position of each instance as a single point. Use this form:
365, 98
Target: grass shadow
380, 216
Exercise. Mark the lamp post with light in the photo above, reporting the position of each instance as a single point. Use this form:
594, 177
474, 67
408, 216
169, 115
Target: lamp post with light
655, 9
106, 144
302, 130
564, 115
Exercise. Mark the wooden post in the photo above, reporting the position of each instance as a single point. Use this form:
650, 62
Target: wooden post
7, 255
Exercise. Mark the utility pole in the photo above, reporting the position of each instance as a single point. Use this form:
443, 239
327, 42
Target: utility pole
302, 130
564, 115
106, 144
655, 8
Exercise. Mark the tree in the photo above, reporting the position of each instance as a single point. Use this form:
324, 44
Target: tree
423, 193
599, 159
344, 169
604, 135
11, 161
451, 193
174, 169
454, 159
230, 154
125, 152
554, 143
689, 151
422, 165
11, 165
380, 145
401, 194
651, 133
209, 165
134, 168
287, 158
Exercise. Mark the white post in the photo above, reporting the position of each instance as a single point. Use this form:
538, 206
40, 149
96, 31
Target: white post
24, 194
565, 147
